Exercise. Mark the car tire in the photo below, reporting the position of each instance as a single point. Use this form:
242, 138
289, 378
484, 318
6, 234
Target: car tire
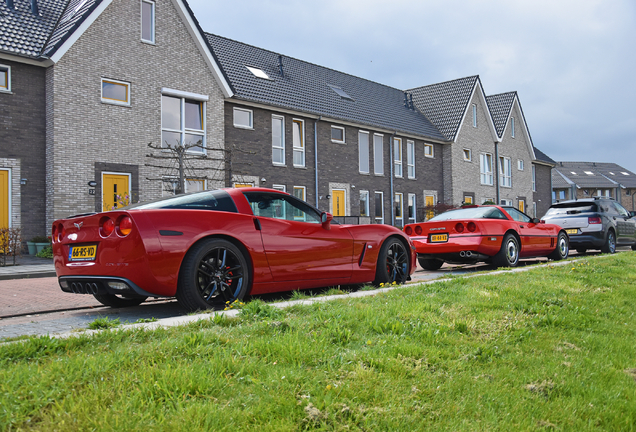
508, 255
214, 274
581, 250
430, 263
562, 248
393, 263
610, 243
117, 301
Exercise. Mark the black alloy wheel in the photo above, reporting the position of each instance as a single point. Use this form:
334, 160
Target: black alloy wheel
393, 263
214, 274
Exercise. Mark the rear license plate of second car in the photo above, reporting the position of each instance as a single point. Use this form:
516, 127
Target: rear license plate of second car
572, 231
439, 238
82, 253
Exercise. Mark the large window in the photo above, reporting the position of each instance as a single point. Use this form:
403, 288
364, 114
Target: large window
148, 21
378, 154
364, 203
298, 132
505, 170
278, 140
115, 92
397, 157
243, 118
183, 123
410, 159
412, 208
5, 78
485, 168
379, 207
363, 151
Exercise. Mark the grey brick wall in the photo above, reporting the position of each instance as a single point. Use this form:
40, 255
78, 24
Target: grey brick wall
543, 194
83, 132
22, 146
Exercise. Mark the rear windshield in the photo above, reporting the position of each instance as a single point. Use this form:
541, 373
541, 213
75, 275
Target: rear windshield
217, 200
571, 208
471, 213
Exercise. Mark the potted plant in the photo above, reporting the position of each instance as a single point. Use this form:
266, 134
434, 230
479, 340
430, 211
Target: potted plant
40, 242
31, 246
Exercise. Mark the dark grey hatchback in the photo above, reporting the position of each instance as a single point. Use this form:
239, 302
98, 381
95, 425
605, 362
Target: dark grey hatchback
595, 223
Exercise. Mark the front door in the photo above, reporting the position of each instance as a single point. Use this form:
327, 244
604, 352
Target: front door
115, 191
4, 198
429, 203
338, 202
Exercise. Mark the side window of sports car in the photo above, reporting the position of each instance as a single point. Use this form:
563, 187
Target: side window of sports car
517, 215
281, 207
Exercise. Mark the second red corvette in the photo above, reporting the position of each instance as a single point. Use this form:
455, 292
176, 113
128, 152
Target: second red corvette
500, 235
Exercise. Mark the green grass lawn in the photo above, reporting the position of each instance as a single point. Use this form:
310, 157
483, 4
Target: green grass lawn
553, 348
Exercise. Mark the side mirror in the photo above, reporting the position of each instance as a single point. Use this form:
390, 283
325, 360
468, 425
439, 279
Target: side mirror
536, 221
632, 214
326, 219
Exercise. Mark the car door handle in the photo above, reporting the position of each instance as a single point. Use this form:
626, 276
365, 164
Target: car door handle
521, 226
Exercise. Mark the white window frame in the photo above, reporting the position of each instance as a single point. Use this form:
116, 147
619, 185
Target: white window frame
378, 154
429, 151
412, 203
505, 202
366, 207
298, 144
279, 187
486, 176
183, 96
468, 155
304, 192
474, 115
115, 101
520, 164
7, 70
398, 204
152, 21
281, 144
364, 159
379, 219
505, 172
512, 127
410, 159
188, 182
251, 118
397, 158
344, 137
534, 178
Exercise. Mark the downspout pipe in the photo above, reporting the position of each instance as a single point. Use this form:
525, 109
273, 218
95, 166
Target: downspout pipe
316, 155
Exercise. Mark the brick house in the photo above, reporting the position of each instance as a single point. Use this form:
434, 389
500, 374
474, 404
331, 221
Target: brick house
109, 77
577, 180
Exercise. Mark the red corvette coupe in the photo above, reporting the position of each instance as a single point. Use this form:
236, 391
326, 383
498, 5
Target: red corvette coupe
493, 234
214, 247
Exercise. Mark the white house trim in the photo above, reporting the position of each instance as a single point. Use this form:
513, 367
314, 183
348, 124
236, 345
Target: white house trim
491, 124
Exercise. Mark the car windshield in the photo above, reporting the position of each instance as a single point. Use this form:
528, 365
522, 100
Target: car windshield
217, 200
471, 213
571, 208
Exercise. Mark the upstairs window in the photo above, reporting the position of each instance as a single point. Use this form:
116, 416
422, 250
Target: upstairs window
148, 21
5, 78
485, 169
534, 179
410, 158
429, 150
378, 154
243, 118
474, 115
337, 134
298, 133
512, 127
520, 164
363, 152
278, 140
397, 156
468, 155
183, 122
115, 92
505, 169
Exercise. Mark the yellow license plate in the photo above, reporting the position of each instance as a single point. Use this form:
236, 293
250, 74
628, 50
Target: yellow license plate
572, 231
82, 253
439, 238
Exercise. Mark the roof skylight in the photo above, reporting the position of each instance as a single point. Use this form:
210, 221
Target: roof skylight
573, 172
624, 173
259, 73
340, 92
611, 173
589, 173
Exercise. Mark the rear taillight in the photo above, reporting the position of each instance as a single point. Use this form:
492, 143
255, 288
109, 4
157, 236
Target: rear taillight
408, 230
106, 226
418, 230
54, 233
471, 226
125, 226
594, 220
61, 232
459, 227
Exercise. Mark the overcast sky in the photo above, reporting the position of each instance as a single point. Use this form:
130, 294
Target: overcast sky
572, 62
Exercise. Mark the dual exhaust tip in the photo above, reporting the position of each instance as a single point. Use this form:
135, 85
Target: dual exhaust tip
465, 254
84, 288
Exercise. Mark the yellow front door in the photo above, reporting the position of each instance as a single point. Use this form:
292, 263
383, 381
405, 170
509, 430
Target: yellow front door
429, 203
4, 198
522, 206
243, 185
115, 191
338, 202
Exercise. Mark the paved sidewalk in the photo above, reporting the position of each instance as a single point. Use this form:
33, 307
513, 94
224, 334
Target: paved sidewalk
27, 267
